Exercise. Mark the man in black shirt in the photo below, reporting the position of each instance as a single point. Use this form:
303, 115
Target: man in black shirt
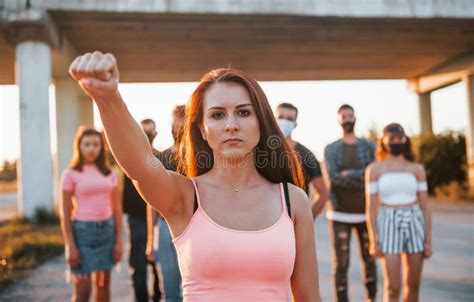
286, 115
135, 207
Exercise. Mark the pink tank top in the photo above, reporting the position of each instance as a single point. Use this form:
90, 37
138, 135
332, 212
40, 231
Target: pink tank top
222, 264
92, 191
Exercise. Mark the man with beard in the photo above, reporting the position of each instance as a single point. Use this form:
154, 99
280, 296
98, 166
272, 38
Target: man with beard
135, 207
346, 160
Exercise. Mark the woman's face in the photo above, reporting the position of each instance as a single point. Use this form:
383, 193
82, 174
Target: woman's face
393, 139
90, 147
230, 125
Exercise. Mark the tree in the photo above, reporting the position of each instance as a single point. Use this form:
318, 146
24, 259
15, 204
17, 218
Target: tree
444, 158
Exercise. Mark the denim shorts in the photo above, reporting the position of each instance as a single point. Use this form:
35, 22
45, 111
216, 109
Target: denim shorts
95, 241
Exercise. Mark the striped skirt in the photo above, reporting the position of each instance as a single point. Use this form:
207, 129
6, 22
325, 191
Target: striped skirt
401, 230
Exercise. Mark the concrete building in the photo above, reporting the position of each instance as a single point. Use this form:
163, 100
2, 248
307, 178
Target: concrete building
429, 43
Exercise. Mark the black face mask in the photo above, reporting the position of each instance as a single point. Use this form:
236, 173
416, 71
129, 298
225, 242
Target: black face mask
397, 149
348, 126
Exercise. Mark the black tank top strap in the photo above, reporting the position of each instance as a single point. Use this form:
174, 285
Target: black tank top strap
197, 201
287, 198
196, 205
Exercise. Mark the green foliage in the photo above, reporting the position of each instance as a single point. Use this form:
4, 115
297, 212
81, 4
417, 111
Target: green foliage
8, 171
444, 158
43, 216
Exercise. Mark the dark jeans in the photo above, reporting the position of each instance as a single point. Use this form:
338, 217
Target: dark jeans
138, 261
341, 239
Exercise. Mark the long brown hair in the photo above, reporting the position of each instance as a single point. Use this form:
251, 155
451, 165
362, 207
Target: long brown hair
196, 157
77, 162
382, 153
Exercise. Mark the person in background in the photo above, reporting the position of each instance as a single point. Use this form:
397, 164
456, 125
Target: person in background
166, 253
286, 115
241, 224
346, 160
90, 217
135, 208
398, 215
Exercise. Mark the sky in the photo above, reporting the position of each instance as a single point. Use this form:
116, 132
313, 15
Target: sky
376, 104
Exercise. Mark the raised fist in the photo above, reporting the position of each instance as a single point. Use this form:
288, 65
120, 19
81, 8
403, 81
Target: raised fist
97, 74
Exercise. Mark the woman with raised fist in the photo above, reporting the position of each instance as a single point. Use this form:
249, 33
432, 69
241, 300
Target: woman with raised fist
240, 222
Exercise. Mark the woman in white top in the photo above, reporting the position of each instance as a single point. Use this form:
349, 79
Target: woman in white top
398, 217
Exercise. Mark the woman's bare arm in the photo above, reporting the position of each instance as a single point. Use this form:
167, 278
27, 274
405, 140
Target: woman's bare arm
117, 214
65, 218
304, 280
98, 76
72, 254
151, 221
372, 205
424, 204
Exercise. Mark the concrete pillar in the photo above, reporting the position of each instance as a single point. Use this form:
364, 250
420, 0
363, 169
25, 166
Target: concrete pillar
33, 75
87, 109
73, 108
426, 123
469, 81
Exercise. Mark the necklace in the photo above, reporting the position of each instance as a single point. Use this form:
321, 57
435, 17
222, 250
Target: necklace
236, 190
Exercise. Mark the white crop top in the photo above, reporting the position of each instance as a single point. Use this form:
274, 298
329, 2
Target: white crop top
397, 188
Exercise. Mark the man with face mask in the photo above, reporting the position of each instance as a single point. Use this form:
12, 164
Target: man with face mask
346, 160
135, 207
286, 115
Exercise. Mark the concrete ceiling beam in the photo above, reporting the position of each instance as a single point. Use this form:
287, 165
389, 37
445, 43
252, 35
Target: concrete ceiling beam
445, 74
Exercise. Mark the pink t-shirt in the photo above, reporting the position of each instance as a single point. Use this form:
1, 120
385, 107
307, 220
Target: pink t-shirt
92, 191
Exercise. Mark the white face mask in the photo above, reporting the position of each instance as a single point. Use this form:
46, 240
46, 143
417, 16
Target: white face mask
286, 126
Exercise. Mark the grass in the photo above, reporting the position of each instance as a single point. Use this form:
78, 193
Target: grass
25, 245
